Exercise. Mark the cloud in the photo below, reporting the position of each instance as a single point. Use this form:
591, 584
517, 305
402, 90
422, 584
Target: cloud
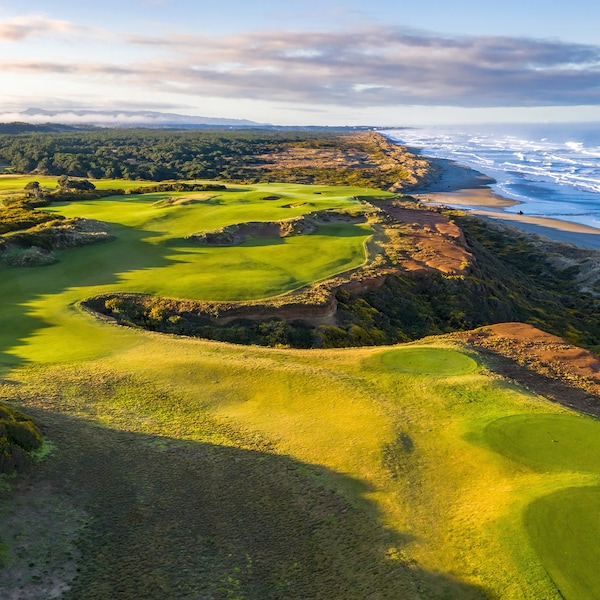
374, 66
385, 66
20, 28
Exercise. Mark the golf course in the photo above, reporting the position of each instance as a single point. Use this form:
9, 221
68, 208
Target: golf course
175, 467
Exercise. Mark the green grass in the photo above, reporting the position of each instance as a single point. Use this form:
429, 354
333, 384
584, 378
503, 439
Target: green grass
564, 528
150, 255
16, 183
564, 525
183, 468
548, 442
429, 361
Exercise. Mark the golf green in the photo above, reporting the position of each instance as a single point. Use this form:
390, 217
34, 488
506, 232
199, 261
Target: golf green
548, 442
429, 361
564, 528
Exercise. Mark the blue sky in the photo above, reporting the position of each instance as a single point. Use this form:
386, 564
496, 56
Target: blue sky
312, 62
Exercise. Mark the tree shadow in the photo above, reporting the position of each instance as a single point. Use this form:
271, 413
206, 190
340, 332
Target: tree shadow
100, 264
163, 518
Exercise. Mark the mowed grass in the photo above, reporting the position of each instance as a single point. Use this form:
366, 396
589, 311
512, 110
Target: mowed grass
431, 361
565, 525
11, 183
564, 529
150, 255
405, 505
182, 468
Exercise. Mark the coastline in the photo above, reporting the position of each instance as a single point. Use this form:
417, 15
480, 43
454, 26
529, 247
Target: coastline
460, 186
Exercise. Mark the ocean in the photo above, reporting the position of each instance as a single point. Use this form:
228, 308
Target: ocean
552, 170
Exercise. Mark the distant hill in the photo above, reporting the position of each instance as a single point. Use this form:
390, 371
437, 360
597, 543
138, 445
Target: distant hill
39, 117
20, 127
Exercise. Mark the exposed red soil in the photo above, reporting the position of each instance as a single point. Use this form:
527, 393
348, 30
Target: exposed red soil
433, 241
542, 362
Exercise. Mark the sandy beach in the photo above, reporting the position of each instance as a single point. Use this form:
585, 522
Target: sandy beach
461, 186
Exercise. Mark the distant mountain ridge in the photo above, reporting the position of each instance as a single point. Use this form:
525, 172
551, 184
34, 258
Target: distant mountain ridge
121, 118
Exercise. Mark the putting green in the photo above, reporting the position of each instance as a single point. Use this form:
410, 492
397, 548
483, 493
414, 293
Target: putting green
548, 442
564, 528
429, 361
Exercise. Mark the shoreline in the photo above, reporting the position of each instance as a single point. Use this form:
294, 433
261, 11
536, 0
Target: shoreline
463, 187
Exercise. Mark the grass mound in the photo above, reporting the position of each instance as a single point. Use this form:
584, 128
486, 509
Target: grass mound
18, 436
430, 361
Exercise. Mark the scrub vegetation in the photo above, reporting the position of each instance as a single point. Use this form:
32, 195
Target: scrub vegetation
174, 467
342, 157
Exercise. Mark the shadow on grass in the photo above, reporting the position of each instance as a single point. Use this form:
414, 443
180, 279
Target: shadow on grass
87, 266
156, 518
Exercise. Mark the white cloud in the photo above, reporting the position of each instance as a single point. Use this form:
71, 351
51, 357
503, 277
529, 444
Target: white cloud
374, 66
17, 29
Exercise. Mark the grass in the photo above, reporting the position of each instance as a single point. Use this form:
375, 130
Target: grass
150, 255
183, 468
16, 183
389, 444
548, 442
564, 525
564, 528
429, 361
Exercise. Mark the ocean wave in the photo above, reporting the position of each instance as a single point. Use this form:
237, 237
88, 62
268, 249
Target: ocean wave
554, 168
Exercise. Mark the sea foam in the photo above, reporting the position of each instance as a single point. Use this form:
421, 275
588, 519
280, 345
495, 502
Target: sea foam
553, 170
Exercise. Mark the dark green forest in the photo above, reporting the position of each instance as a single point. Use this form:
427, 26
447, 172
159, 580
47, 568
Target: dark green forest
152, 155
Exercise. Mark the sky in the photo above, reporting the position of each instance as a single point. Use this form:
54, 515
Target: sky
315, 62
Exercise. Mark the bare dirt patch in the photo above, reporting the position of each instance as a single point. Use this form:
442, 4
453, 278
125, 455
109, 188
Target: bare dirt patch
431, 241
542, 362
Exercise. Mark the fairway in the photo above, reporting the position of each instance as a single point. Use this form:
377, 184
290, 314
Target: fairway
149, 254
257, 268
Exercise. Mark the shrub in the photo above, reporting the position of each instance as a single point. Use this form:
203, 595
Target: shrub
19, 436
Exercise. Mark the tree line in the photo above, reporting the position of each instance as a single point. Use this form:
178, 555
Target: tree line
247, 156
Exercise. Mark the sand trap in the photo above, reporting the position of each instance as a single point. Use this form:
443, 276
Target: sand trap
180, 200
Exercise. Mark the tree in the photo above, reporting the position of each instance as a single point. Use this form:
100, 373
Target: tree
33, 189
68, 183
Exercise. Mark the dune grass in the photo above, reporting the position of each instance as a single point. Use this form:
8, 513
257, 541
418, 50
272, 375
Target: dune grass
183, 468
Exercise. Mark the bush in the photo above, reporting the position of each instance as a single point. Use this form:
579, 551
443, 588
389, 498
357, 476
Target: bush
19, 436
